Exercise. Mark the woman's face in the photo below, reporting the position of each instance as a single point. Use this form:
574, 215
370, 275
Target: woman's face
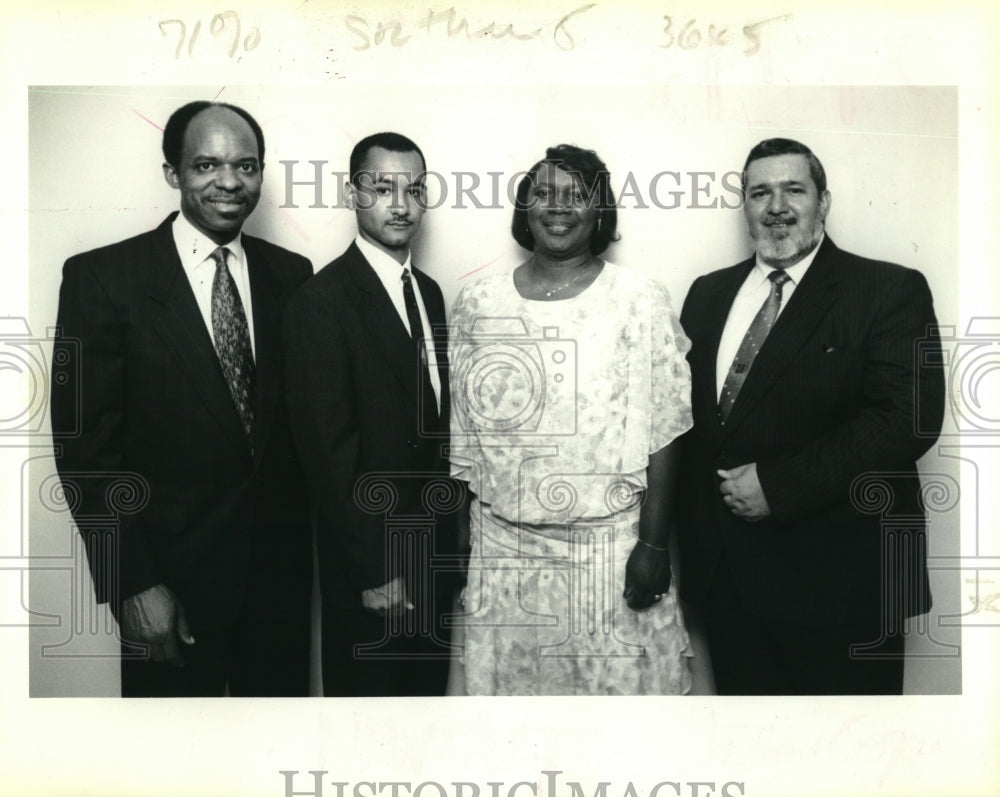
560, 217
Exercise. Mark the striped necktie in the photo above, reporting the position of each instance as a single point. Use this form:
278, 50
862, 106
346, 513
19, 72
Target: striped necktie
428, 401
752, 341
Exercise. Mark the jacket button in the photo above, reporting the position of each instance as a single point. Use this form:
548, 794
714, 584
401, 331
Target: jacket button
413, 444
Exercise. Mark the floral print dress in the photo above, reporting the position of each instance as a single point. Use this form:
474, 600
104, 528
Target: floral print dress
556, 407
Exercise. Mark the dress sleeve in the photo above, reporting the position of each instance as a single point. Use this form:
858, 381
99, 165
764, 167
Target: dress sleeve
670, 375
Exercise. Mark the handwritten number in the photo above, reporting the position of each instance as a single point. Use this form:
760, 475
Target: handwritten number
752, 32
687, 39
667, 33
252, 40
180, 42
218, 26
194, 37
690, 36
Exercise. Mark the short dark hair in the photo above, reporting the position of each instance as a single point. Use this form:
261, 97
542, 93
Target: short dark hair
177, 125
394, 142
594, 178
787, 146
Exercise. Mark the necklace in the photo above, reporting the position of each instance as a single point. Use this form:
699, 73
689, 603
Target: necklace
580, 272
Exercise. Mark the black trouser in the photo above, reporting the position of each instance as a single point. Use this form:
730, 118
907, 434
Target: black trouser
754, 656
366, 655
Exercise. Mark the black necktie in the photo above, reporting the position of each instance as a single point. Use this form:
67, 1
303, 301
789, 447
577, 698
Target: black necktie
428, 401
752, 341
232, 341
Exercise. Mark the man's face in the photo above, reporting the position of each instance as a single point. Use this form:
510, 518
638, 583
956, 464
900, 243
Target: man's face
784, 210
390, 200
219, 175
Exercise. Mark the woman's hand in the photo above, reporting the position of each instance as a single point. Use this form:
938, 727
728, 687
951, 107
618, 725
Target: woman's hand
647, 576
647, 572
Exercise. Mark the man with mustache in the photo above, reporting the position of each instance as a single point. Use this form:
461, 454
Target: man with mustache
180, 391
368, 394
805, 383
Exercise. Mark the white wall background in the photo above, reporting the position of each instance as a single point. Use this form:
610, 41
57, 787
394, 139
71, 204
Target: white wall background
891, 155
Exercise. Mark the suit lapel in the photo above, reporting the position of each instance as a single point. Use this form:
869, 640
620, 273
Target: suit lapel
716, 307
434, 304
806, 308
265, 291
382, 321
175, 317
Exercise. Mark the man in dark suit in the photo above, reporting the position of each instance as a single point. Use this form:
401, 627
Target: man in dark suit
368, 397
792, 418
181, 386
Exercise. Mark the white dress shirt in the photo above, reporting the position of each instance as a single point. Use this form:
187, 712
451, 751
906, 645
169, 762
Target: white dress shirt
194, 248
749, 299
390, 273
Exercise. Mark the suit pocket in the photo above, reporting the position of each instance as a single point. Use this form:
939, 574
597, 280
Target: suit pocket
837, 350
828, 359
825, 377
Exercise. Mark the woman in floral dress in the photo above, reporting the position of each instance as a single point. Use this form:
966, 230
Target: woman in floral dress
569, 389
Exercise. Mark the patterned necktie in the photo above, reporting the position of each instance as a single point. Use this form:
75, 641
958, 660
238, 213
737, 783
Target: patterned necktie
232, 341
752, 341
428, 400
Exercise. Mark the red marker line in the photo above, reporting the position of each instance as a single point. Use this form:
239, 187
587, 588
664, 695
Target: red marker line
154, 124
486, 265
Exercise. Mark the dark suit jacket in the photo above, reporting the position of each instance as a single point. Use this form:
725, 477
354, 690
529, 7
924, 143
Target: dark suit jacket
353, 396
153, 402
837, 391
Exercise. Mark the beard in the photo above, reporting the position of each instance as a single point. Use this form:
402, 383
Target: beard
784, 246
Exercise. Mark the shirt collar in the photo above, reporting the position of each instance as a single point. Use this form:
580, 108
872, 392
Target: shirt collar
796, 272
386, 266
194, 247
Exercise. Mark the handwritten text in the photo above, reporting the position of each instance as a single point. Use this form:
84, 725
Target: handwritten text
450, 24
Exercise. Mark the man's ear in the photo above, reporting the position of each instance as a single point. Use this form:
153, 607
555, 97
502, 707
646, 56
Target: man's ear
351, 196
824, 205
170, 175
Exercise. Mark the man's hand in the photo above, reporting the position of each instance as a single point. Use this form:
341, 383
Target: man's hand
156, 618
647, 576
742, 493
388, 599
